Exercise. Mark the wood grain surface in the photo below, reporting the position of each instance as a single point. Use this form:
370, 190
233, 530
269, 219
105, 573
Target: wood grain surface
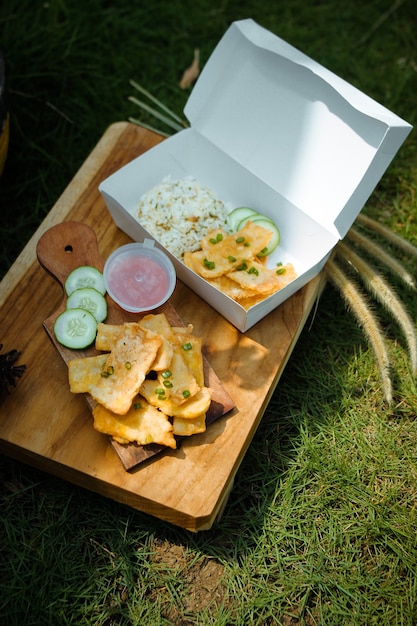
43, 424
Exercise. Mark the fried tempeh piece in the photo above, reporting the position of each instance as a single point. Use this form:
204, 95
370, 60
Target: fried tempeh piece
189, 409
186, 427
143, 424
123, 370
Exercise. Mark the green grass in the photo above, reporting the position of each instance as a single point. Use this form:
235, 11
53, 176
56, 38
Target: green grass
321, 527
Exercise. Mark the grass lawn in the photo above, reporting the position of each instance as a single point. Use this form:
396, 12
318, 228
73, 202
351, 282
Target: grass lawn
321, 527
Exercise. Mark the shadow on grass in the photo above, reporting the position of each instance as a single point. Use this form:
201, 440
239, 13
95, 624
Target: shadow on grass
63, 546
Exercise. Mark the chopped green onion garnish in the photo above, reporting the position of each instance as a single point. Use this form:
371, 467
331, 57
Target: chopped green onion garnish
232, 259
166, 374
186, 393
219, 237
242, 266
168, 384
253, 270
137, 406
281, 270
128, 365
209, 264
187, 346
240, 240
108, 372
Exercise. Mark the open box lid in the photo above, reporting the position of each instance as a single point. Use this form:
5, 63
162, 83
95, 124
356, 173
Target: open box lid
305, 132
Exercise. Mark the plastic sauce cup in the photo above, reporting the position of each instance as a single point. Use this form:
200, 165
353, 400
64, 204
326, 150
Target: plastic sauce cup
139, 277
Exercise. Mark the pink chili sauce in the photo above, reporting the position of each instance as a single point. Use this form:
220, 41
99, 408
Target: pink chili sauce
138, 282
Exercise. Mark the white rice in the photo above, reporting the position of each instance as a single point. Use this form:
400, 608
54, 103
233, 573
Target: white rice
179, 213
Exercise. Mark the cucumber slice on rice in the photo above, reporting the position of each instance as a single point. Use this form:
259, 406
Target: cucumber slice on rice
267, 223
253, 218
237, 215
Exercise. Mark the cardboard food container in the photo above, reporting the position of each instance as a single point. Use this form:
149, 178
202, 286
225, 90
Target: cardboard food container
273, 130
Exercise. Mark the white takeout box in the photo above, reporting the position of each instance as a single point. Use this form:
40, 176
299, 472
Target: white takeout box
273, 130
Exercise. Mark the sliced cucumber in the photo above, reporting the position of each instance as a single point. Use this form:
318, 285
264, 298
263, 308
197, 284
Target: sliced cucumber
90, 300
75, 328
252, 218
267, 223
237, 215
85, 276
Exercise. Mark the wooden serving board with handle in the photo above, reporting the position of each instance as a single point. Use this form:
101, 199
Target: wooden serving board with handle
69, 245
43, 424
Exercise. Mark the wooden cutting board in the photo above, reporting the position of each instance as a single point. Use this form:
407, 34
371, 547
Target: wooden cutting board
69, 245
43, 424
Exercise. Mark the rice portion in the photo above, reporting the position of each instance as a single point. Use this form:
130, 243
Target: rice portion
179, 213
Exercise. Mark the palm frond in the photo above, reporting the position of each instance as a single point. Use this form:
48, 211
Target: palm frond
167, 117
160, 116
360, 308
160, 104
381, 255
138, 122
378, 286
389, 234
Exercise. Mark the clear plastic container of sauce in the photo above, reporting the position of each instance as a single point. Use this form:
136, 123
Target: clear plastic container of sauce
139, 277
